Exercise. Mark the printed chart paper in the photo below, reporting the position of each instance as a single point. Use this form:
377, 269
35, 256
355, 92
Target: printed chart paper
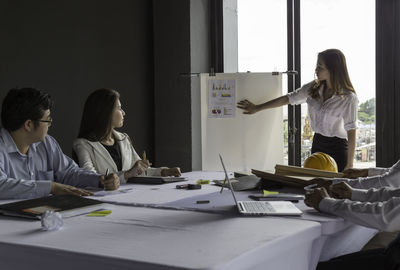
221, 98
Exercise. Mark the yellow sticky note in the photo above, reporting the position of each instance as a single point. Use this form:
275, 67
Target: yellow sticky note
203, 182
101, 213
267, 192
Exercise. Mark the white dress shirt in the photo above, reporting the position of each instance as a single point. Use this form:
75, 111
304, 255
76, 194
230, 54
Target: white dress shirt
377, 177
375, 208
332, 117
375, 200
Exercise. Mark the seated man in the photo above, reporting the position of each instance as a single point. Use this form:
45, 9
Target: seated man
31, 162
376, 208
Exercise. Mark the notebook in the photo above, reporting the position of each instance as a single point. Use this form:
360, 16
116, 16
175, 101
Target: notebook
67, 205
155, 180
276, 208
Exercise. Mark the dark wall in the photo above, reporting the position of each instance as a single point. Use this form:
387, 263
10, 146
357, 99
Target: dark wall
181, 49
70, 48
172, 91
387, 82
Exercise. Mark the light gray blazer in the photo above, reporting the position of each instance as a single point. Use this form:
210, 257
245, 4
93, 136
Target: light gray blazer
94, 156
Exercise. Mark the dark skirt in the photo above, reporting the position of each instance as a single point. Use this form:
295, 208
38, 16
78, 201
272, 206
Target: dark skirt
333, 146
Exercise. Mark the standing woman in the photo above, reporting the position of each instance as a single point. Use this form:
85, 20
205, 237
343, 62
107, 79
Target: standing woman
100, 147
332, 107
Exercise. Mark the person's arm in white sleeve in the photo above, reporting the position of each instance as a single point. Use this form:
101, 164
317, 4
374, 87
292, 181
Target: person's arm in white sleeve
380, 171
391, 178
350, 125
384, 216
377, 171
375, 194
299, 96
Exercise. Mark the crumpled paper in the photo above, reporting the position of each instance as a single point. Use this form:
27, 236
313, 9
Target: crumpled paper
51, 221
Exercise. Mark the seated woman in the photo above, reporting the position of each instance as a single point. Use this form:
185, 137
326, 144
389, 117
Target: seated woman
99, 147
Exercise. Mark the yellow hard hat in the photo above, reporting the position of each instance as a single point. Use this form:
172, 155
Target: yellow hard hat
321, 161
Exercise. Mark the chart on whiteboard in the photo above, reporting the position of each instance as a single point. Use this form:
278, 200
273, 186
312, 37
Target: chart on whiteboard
221, 98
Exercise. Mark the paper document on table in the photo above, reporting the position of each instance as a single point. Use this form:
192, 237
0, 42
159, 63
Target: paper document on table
216, 202
102, 193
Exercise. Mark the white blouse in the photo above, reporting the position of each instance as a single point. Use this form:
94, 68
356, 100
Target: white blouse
332, 117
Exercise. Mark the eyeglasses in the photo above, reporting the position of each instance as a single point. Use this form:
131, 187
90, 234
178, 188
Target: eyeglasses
46, 121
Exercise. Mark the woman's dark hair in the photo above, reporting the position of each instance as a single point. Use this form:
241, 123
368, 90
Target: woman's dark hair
97, 114
335, 62
24, 104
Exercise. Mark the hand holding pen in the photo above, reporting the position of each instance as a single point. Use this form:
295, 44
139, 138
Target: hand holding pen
110, 181
139, 168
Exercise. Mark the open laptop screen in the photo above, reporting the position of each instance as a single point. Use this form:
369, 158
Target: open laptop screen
227, 179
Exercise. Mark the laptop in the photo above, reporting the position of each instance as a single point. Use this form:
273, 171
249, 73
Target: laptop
155, 180
274, 208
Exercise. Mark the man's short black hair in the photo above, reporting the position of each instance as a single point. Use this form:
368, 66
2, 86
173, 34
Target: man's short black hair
24, 104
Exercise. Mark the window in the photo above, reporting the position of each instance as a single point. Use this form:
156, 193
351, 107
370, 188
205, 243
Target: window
262, 41
342, 24
324, 25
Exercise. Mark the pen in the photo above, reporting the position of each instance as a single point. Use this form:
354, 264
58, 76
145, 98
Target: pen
309, 189
105, 177
144, 158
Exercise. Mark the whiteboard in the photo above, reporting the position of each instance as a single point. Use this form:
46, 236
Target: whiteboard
245, 141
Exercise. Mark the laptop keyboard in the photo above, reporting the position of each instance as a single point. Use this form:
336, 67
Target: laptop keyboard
257, 207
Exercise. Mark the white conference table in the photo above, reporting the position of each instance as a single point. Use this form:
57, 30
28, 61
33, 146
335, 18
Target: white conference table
152, 238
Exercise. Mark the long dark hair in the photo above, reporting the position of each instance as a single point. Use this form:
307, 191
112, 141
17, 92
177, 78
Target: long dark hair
335, 62
97, 114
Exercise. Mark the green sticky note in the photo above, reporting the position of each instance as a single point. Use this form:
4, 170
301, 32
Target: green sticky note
203, 182
101, 213
267, 192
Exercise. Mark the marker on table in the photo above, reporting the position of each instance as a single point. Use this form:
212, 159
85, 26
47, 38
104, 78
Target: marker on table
202, 201
144, 158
